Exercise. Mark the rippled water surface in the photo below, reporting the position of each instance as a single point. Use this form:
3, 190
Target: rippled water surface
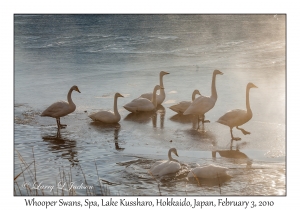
104, 54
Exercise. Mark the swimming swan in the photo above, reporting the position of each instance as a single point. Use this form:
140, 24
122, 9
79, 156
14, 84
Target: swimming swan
203, 104
208, 172
161, 97
61, 108
237, 117
183, 105
143, 104
108, 116
163, 167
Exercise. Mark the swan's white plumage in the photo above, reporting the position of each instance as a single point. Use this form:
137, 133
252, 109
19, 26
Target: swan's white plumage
200, 106
143, 104
163, 167
208, 172
108, 116
161, 96
237, 117
61, 108
203, 104
234, 118
183, 105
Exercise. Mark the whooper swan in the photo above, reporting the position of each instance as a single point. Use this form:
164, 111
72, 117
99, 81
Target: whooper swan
183, 105
237, 117
208, 172
164, 167
203, 104
61, 108
143, 104
161, 97
108, 116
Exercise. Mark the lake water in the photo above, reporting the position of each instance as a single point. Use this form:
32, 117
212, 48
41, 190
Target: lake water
105, 54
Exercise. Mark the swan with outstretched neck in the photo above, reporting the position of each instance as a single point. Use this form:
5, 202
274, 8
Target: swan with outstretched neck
183, 105
162, 95
143, 104
163, 167
237, 117
61, 108
203, 104
108, 116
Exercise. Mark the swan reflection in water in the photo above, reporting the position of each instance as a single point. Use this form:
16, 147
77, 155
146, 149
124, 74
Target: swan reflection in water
236, 155
108, 128
187, 119
146, 117
184, 119
116, 134
65, 146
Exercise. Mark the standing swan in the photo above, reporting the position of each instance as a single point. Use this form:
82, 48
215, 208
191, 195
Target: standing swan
108, 116
183, 105
161, 97
143, 104
237, 117
203, 104
163, 167
61, 108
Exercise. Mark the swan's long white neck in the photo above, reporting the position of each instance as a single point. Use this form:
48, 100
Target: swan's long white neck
116, 106
70, 98
249, 111
170, 157
154, 101
213, 87
161, 84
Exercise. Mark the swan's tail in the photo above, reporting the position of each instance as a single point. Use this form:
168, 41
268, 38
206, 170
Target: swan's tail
174, 108
222, 121
129, 108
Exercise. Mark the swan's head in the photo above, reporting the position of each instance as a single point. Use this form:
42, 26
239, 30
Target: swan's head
75, 88
196, 92
156, 88
118, 95
218, 72
174, 151
162, 73
251, 85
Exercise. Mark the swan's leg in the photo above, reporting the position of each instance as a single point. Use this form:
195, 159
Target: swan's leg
204, 121
198, 122
234, 138
243, 131
58, 133
58, 123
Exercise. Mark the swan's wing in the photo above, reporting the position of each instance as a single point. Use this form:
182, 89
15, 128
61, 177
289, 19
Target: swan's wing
200, 106
165, 167
104, 116
159, 97
181, 106
234, 117
147, 95
169, 167
157, 166
57, 109
139, 104
208, 172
